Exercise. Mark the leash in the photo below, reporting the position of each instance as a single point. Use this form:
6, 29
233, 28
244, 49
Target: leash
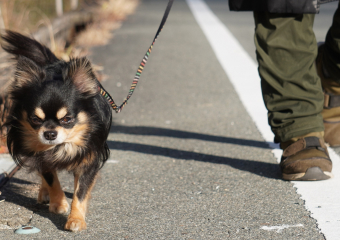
103, 92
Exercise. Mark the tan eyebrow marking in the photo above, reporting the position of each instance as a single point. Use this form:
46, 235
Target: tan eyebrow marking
82, 117
39, 113
62, 112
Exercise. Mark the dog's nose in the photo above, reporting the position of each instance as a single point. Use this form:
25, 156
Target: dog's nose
50, 135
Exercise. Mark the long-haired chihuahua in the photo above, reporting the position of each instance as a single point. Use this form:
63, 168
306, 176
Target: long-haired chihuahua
58, 121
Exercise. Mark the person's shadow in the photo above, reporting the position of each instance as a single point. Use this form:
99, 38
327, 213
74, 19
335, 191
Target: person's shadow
265, 169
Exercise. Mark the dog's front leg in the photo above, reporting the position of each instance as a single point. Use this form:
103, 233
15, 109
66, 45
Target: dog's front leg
83, 183
51, 189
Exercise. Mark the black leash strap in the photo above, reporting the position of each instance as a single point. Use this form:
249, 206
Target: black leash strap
140, 69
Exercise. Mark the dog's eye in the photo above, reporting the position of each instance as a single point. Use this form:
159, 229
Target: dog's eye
66, 120
35, 120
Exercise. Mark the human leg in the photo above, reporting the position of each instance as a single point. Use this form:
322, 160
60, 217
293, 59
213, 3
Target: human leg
286, 49
328, 66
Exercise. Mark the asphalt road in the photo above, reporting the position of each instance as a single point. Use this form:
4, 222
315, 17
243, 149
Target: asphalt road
187, 161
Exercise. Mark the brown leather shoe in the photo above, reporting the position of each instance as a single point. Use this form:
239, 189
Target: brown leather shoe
306, 160
331, 110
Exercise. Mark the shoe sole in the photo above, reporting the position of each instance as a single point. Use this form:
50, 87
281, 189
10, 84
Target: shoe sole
312, 174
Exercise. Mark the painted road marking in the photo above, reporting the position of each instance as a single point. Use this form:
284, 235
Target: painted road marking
280, 228
321, 198
112, 161
6, 163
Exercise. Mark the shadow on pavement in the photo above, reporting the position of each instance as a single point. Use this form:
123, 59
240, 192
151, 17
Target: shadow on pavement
164, 132
15, 190
269, 170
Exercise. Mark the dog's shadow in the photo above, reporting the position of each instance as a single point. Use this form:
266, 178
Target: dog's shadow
14, 192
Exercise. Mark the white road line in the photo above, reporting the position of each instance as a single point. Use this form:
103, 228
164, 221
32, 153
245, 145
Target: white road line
112, 161
6, 163
280, 228
322, 198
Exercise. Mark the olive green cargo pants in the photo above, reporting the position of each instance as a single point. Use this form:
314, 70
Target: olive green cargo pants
286, 50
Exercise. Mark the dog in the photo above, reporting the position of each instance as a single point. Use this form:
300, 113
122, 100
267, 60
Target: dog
58, 121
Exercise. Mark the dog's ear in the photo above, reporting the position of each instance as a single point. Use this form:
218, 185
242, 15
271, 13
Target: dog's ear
27, 73
20, 45
80, 73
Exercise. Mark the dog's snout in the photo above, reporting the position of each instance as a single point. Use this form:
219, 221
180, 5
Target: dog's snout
50, 135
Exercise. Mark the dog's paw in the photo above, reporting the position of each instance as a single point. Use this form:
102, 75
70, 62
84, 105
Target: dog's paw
43, 196
59, 207
75, 224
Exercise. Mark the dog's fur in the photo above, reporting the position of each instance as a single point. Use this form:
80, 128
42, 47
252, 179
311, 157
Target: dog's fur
58, 121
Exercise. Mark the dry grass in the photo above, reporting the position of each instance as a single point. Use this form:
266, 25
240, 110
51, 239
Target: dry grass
118, 9
112, 12
109, 15
98, 33
27, 15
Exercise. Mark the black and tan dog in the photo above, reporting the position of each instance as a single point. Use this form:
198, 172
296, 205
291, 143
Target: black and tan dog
58, 121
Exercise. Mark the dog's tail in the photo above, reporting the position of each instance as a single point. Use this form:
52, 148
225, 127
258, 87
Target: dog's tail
20, 45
